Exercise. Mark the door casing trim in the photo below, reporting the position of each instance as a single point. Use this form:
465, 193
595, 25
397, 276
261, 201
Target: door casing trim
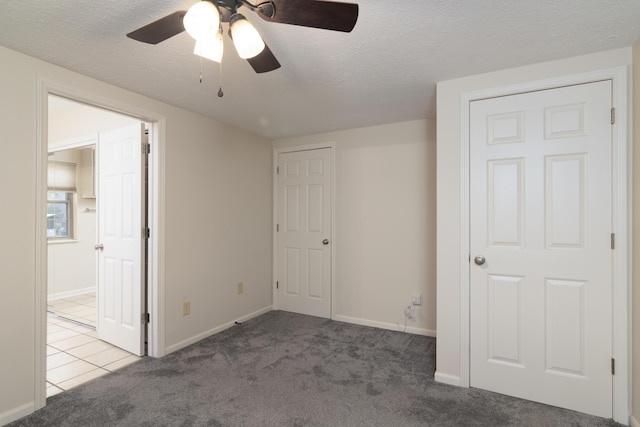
276, 153
621, 214
156, 258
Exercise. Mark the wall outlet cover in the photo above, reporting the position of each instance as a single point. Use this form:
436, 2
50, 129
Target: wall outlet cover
186, 307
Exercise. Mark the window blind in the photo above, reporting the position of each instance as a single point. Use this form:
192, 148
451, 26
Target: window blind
61, 176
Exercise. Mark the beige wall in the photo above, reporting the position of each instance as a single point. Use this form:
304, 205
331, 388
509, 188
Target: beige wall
217, 220
448, 187
636, 236
385, 223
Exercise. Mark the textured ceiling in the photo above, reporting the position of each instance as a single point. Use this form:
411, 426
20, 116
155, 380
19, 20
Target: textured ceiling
384, 71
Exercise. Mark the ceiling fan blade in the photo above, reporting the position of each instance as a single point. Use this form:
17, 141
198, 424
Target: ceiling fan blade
264, 62
161, 29
327, 15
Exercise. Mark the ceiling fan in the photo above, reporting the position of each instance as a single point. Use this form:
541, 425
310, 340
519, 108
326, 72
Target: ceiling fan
203, 21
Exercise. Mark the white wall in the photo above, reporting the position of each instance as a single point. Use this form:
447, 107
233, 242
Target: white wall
72, 263
636, 237
448, 187
385, 223
217, 196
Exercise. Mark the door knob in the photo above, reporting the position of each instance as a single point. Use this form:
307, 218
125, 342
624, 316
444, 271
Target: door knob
479, 260
99, 247
325, 242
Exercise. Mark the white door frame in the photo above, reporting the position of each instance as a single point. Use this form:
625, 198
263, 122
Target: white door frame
621, 215
156, 258
276, 153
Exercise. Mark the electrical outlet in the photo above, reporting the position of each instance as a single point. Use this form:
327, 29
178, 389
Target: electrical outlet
416, 300
240, 288
408, 312
186, 307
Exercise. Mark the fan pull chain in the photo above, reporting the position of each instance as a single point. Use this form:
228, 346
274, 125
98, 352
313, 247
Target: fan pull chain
201, 69
220, 92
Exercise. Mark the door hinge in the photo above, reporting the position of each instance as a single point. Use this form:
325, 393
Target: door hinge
613, 240
144, 318
146, 233
277, 170
613, 366
146, 148
277, 285
277, 227
613, 116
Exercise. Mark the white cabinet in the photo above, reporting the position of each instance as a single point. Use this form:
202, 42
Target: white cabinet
88, 173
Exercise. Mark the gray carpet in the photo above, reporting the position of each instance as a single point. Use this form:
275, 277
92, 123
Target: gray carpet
284, 369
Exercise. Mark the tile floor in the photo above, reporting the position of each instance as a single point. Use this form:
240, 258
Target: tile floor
81, 308
75, 355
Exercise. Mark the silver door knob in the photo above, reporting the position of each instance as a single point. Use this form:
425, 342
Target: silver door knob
479, 260
325, 242
99, 247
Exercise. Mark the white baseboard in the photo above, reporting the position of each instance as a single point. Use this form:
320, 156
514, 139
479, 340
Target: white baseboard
384, 325
17, 413
447, 379
633, 421
194, 339
73, 293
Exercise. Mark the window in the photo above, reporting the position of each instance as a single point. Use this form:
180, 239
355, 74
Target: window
60, 214
61, 197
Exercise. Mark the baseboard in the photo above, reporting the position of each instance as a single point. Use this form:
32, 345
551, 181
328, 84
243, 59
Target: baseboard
447, 379
194, 339
17, 413
633, 421
73, 293
384, 325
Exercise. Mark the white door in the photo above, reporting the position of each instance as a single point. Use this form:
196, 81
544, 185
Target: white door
120, 222
304, 232
540, 216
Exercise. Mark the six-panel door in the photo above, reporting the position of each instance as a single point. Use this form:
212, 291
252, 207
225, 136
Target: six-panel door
304, 223
540, 170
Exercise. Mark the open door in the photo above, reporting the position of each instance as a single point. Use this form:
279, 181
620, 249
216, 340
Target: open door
120, 245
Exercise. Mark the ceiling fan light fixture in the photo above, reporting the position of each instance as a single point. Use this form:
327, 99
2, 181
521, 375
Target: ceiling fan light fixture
202, 20
245, 37
211, 49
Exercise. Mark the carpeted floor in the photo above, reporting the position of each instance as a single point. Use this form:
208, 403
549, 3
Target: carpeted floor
284, 369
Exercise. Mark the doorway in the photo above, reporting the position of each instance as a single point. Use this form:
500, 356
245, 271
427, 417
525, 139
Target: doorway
71, 233
81, 340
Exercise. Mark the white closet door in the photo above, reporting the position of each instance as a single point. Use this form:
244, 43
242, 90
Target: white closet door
541, 258
304, 222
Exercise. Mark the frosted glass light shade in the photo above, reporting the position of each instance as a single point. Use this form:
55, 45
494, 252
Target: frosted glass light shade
245, 37
211, 49
202, 20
